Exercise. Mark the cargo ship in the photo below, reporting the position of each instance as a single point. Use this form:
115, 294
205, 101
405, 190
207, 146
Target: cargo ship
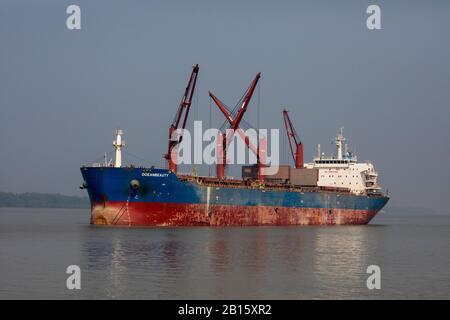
331, 190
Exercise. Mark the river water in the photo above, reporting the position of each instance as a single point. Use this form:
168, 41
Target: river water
37, 246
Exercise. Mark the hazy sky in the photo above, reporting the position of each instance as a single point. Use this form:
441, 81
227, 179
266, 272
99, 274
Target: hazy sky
62, 93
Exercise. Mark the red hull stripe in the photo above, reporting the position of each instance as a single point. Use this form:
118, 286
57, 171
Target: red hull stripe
175, 214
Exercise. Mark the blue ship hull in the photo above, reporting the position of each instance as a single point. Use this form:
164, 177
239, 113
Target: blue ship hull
158, 197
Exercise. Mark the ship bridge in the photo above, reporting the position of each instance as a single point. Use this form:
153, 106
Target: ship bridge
343, 170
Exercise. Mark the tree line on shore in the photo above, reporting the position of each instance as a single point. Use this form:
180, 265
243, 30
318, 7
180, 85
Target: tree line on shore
42, 200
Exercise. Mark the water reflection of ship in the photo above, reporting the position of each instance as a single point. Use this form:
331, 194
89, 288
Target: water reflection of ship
258, 262
220, 263
341, 257
123, 259
105, 264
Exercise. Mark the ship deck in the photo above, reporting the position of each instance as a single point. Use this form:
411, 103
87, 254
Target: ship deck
264, 185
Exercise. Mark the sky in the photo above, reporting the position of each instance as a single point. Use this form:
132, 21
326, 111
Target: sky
63, 92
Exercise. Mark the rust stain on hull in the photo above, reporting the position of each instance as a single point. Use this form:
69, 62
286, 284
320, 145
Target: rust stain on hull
171, 214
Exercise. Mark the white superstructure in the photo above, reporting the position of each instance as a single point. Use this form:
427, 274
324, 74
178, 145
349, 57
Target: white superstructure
343, 171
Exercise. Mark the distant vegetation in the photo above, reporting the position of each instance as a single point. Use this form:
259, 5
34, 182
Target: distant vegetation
42, 200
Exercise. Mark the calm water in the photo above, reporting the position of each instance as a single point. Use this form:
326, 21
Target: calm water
37, 245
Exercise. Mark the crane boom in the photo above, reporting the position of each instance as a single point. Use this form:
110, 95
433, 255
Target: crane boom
294, 140
245, 102
230, 120
181, 117
234, 124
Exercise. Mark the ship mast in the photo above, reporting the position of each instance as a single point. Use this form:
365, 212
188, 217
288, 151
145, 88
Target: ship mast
118, 145
340, 142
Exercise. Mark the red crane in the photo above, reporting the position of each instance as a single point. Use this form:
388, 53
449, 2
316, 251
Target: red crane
294, 140
181, 117
224, 140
